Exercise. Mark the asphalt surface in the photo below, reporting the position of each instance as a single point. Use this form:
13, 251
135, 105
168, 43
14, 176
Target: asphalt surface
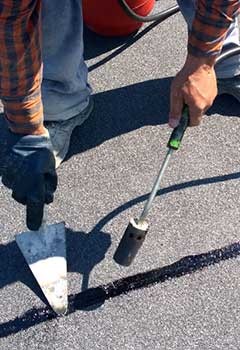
193, 241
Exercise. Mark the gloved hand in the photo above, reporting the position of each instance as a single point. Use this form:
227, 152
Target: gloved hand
29, 171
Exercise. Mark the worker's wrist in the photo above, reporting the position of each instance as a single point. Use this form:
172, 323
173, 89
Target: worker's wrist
37, 131
196, 62
24, 114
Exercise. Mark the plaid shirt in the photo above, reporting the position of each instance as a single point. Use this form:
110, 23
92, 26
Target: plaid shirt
210, 26
21, 59
21, 64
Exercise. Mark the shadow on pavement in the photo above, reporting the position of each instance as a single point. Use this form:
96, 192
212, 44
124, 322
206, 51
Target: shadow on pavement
117, 112
85, 251
99, 295
164, 191
126, 109
129, 108
122, 110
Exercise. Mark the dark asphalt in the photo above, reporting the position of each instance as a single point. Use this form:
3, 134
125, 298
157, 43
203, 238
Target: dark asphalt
112, 163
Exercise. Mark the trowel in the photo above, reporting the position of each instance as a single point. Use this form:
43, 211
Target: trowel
45, 253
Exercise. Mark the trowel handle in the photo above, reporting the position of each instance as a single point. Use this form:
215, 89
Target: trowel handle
177, 134
36, 216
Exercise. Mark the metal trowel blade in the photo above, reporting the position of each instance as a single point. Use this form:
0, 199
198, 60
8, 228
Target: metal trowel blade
45, 253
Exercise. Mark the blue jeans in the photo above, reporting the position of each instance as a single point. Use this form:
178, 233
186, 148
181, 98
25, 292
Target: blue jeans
231, 66
65, 89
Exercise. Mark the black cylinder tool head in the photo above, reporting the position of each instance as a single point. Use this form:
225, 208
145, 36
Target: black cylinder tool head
131, 242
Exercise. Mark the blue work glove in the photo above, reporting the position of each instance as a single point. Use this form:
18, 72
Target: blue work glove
29, 171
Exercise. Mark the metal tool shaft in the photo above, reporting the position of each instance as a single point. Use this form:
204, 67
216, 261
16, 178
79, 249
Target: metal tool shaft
155, 186
137, 229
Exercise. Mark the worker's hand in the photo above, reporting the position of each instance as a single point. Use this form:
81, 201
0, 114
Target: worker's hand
29, 171
195, 85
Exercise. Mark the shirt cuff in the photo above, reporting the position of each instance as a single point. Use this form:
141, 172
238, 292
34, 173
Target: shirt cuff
210, 27
24, 115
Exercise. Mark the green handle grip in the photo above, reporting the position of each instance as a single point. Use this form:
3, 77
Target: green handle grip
177, 134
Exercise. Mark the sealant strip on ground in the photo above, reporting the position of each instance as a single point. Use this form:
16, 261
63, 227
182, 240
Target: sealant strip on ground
98, 295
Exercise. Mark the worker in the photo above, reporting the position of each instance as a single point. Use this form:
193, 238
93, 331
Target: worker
61, 97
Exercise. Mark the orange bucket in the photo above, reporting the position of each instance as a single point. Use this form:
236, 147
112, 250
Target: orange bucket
106, 17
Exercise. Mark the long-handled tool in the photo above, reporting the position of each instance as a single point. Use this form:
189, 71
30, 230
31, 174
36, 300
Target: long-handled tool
45, 253
137, 229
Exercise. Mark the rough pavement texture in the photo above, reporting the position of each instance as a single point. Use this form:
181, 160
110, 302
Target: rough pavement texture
113, 160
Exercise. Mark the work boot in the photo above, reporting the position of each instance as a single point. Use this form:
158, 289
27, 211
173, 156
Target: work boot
229, 86
61, 132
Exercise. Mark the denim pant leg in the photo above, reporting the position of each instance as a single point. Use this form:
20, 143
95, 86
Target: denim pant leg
65, 90
231, 66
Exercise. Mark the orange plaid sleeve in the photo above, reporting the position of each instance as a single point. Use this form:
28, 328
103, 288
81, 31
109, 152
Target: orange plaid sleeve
21, 64
210, 26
